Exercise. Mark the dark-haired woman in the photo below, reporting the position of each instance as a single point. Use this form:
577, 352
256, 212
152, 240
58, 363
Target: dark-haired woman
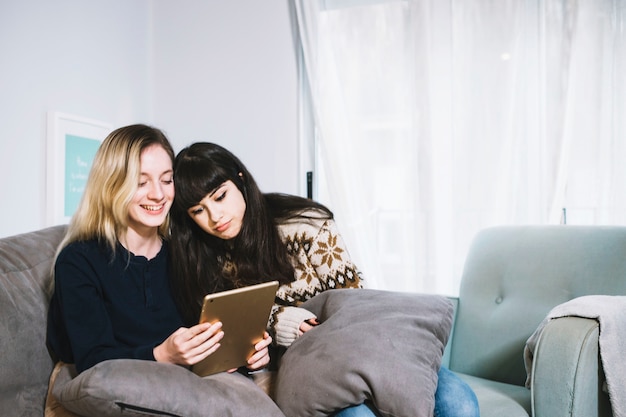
227, 234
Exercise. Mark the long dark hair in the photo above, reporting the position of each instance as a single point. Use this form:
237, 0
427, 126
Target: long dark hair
257, 252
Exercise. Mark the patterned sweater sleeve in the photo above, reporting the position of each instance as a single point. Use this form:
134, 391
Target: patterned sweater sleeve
321, 262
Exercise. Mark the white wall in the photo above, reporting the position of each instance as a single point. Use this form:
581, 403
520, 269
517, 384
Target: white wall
83, 58
226, 72
223, 71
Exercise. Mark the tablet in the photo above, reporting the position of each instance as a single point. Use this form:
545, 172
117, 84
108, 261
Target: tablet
244, 313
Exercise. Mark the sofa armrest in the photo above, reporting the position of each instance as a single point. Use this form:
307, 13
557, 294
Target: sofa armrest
567, 376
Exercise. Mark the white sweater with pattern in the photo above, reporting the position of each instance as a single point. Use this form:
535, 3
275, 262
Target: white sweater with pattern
321, 262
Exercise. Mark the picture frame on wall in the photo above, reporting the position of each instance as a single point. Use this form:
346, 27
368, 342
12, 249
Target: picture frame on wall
72, 142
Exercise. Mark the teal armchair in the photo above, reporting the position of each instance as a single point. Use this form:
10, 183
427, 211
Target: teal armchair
513, 276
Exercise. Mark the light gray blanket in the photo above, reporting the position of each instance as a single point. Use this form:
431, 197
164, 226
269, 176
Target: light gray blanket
610, 312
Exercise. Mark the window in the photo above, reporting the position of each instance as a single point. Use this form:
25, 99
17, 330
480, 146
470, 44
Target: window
432, 120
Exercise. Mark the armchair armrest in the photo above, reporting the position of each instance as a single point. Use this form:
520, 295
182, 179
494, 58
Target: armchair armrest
567, 375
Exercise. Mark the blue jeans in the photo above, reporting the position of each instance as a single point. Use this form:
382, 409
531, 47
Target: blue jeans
362, 410
453, 398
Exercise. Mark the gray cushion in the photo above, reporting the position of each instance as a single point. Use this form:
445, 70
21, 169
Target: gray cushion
372, 345
138, 387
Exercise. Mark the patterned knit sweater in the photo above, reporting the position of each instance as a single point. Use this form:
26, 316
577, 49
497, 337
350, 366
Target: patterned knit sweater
321, 262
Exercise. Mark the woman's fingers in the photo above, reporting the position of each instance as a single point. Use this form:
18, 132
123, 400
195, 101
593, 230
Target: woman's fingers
261, 358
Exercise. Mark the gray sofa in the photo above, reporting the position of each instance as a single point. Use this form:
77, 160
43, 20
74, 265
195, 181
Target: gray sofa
513, 277
25, 365
111, 389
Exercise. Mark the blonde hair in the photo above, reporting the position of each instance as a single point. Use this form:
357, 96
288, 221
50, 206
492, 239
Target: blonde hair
113, 180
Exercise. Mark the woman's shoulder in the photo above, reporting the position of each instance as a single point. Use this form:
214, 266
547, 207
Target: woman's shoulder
91, 249
306, 220
308, 227
80, 246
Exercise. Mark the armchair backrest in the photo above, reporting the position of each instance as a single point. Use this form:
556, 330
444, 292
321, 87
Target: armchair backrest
514, 275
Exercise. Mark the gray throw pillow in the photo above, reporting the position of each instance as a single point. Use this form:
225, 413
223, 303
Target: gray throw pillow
140, 388
381, 346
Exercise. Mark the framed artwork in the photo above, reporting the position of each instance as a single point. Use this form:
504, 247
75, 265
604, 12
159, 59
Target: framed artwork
72, 143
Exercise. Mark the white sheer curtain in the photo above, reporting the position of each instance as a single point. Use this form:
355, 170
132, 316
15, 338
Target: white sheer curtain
435, 119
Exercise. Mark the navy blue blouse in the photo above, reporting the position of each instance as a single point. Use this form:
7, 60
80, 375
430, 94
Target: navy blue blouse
106, 307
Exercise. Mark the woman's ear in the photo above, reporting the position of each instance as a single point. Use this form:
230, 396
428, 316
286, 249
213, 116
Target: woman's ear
240, 174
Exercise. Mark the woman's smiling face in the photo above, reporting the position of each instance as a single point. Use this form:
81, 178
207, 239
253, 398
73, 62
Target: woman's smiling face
221, 212
155, 193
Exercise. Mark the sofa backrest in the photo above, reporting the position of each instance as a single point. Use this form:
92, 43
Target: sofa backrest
25, 290
513, 276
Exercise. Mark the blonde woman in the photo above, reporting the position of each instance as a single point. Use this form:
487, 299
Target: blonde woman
112, 298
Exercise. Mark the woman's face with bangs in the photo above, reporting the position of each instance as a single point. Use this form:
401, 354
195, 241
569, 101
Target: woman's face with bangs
221, 212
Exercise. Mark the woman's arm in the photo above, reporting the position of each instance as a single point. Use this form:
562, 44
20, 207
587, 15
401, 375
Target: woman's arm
104, 310
82, 321
329, 257
321, 261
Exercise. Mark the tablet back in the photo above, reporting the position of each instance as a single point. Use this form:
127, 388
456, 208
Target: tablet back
244, 313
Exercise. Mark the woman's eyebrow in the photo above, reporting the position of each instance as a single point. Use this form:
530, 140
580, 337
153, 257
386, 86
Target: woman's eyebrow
166, 172
217, 189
